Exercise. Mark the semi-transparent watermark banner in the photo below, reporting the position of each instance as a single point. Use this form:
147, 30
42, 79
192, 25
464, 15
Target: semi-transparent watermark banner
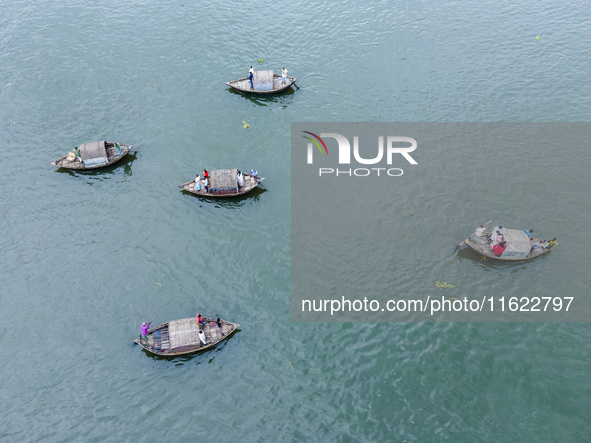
440, 222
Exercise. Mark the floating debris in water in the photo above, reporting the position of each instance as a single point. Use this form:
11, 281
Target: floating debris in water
443, 285
483, 258
412, 213
291, 365
261, 60
245, 125
538, 37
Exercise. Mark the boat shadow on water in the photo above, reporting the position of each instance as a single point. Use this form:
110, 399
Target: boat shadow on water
180, 360
124, 165
283, 98
491, 263
230, 202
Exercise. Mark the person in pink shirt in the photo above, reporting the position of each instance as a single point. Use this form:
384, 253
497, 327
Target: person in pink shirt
200, 320
145, 329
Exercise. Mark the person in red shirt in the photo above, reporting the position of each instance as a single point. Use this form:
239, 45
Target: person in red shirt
500, 248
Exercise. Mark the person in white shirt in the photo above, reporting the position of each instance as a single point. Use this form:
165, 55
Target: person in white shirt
240, 179
283, 75
197, 183
478, 233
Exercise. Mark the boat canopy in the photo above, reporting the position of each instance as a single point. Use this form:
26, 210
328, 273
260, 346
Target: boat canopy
223, 181
263, 81
183, 332
94, 154
518, 243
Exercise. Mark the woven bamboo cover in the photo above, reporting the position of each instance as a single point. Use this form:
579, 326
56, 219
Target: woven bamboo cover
183, 332
93, 150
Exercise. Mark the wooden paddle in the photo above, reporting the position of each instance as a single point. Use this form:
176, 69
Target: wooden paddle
297, 87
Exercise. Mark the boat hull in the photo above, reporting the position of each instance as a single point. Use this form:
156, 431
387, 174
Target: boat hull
250, 183
480, 245
243, 85
181, 337
112, 157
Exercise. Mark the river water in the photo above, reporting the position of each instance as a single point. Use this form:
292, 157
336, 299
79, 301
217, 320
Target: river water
87, 257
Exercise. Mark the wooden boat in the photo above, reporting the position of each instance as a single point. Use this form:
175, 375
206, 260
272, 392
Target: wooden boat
184, 336
264, 82
223, 183
520, 246
94, 155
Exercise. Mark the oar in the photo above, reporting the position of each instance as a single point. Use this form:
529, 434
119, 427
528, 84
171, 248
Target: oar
461, 243
297, 87
467, 239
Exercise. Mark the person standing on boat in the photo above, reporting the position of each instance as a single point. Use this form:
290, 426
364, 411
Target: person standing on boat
478, 232
197, 183
283, 75
206, 184
200, 321
205, 173
250, 77
145, 329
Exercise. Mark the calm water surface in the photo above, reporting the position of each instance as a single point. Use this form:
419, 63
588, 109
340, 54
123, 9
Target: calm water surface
86, 257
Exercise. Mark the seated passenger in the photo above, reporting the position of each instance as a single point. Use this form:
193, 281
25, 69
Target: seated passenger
493, 233
254, 173
500, 248
550, 243
496, 240
240, 179
529, 232
78, 154
202, 337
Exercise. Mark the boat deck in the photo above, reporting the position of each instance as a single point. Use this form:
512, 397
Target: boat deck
182, 336
518, 245
243, 84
